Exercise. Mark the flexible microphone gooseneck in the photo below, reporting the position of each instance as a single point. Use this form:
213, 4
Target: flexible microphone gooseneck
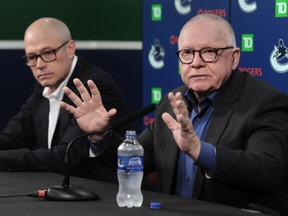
68, 192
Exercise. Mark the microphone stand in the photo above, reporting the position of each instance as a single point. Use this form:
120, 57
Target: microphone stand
68, 192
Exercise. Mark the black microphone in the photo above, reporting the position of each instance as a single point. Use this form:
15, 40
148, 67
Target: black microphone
68, 192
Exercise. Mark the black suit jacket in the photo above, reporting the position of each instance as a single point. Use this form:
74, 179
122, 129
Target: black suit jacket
23, 142
249, 129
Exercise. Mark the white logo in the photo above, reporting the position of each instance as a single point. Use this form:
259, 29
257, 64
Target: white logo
183, 7
156, 55
277, 55
247, 7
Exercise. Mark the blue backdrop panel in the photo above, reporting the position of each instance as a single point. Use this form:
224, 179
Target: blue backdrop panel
259, 19
162, 22
260, 33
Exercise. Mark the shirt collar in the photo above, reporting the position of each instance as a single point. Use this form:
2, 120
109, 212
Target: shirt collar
59, 92
192, 102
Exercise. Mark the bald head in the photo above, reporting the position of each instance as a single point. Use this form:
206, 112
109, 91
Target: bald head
213, 20
47, 27
48, 42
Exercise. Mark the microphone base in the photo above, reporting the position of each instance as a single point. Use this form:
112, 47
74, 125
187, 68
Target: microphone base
70, 193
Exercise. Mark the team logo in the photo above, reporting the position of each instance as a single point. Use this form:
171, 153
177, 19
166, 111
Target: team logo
156, 55
183, 7
279, 58
121, 163
247, 7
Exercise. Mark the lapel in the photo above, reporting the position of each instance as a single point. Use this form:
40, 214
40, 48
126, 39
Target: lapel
224, 109
78, 72
41, 119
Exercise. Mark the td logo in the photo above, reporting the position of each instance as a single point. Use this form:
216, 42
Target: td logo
156, 12
247, 42
156, 95
281, 8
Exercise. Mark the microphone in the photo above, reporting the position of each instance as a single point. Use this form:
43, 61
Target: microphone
68, 192
132, 117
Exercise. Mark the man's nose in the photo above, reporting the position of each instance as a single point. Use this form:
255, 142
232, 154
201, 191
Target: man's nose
40, 62
197, 59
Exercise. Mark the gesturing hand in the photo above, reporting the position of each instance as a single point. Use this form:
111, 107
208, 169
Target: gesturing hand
181, 127
89, 112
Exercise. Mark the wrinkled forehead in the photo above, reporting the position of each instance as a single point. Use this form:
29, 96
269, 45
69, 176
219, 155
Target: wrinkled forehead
202, 33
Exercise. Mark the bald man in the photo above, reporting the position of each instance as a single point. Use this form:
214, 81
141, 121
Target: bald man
36, 138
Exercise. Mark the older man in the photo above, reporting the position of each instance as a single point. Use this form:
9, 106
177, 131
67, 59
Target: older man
223, 137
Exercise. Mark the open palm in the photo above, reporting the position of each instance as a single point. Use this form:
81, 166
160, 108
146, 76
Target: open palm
89, 112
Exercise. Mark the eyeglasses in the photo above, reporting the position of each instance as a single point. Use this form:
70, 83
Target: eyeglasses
186, 56
46, 56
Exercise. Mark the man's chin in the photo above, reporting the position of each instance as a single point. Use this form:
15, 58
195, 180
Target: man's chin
200, 88
45, 84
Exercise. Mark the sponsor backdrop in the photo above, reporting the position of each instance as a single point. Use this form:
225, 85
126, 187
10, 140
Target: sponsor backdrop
260, 33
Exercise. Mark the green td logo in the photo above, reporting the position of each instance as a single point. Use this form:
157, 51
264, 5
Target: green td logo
247, 42
156, 95
281, 9
156, 12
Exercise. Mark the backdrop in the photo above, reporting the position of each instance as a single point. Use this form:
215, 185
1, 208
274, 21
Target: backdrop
260, 28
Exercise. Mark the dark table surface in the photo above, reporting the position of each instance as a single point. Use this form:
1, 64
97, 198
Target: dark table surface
20, 183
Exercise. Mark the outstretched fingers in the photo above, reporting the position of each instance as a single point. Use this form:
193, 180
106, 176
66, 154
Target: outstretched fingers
95, 94
181, 127
68, 107
169, 121
73, 97
85, 96
179, 106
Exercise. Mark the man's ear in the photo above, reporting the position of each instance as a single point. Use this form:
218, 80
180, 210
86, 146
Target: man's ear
71, 48
235, 58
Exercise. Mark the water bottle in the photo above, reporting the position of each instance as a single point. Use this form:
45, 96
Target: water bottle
130, 172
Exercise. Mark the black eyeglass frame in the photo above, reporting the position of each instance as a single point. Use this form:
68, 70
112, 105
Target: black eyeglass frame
200, 53
54, 51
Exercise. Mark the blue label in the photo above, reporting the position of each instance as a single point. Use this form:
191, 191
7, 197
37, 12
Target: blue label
130, 163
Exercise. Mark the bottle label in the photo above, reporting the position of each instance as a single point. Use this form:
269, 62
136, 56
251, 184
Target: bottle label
130, 163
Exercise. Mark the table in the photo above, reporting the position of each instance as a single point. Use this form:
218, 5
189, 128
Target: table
22, 182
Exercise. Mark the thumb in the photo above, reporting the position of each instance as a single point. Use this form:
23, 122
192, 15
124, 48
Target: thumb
169, 120
112, 112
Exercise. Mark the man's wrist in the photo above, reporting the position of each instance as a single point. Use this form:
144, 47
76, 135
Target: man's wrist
94, 138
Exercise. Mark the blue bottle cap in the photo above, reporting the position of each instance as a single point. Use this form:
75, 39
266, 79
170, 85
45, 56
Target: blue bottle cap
155, 205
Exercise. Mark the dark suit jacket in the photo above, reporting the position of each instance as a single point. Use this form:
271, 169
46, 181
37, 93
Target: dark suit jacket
249, 128
24, 141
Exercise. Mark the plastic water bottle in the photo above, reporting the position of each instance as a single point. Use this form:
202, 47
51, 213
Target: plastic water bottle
130, 172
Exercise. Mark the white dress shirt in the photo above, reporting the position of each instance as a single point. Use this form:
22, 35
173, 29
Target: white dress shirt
54, 101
